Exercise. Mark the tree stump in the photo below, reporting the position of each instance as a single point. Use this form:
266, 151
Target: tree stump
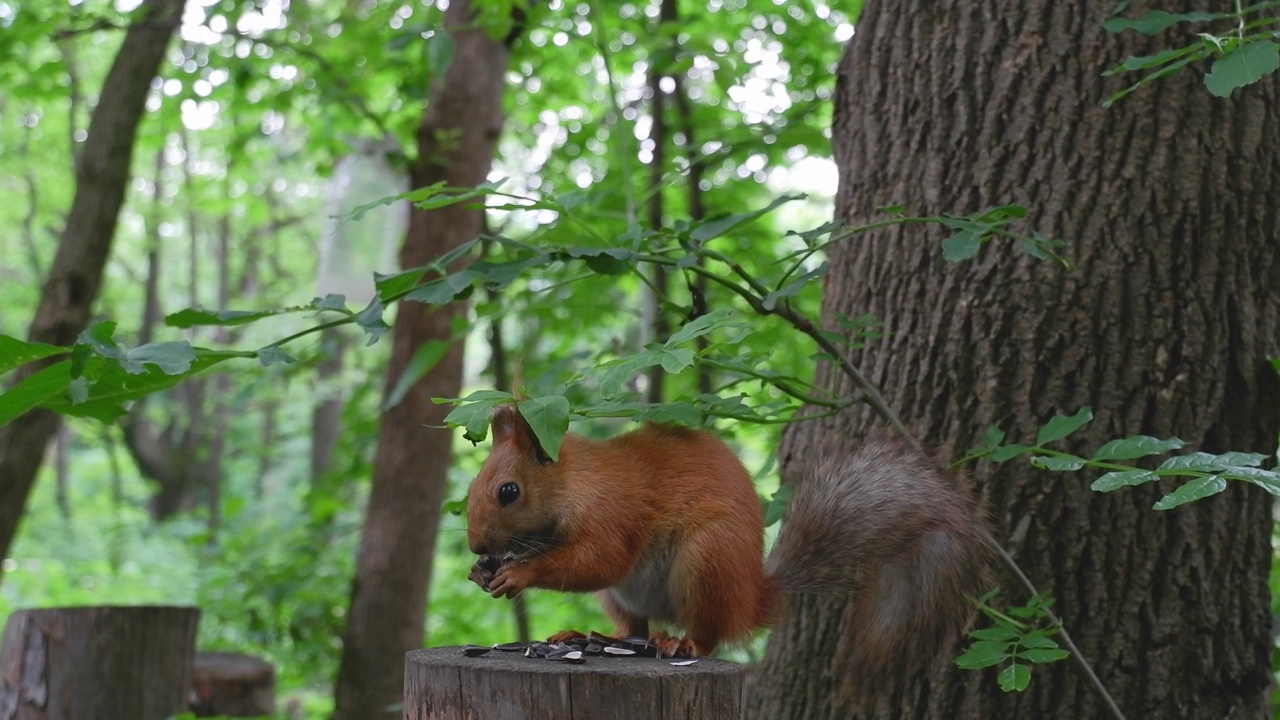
442, 683
106, 663
232, 685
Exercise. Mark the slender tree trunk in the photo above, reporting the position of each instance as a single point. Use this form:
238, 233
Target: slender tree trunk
697, 212
500, 370
456, 144
33, 208
76, 274
326, 416
1167, 202
61, 471
657, 327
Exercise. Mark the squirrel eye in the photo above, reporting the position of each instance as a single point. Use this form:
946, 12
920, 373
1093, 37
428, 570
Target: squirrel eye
508, 493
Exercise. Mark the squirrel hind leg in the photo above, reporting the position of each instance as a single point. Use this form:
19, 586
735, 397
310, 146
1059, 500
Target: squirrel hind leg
717, 586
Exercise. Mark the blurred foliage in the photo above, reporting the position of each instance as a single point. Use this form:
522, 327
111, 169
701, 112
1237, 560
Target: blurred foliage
260, 102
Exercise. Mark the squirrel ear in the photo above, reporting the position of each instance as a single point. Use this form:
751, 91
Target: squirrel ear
509, 426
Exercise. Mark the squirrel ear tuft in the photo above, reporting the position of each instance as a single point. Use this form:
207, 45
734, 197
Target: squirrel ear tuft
504, 423
510, 426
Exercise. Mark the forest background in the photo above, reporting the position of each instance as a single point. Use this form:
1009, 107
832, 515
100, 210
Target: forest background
272, 135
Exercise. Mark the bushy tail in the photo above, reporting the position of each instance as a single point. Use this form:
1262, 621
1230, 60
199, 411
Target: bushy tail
905, 545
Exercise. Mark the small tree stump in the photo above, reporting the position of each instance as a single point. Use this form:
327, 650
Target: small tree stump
442, 683
106, 663
232, 685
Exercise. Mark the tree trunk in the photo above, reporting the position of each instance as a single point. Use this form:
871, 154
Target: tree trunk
326, 415
76, 275
388, 599
106, 663
1167, 202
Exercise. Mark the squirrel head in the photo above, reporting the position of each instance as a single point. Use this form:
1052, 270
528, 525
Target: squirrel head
513, 505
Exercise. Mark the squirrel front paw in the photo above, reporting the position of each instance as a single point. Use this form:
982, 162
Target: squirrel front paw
511, 579
483, 571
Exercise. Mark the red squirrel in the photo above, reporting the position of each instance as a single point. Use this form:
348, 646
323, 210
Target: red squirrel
663, 522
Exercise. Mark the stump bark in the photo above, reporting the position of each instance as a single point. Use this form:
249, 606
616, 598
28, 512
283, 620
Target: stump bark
442, 683
232, 685
106, 663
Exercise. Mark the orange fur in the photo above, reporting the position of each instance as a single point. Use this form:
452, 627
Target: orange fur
663, 521
664, 524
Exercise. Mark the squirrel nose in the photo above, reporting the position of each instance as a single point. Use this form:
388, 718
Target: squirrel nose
478, 547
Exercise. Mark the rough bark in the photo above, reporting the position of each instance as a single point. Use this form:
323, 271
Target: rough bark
232, 685
456, 144
106, 663
1167, 202
76, 274
443, 684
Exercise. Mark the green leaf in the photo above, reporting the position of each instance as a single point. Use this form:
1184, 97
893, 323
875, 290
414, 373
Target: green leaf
78, 390
1122, 478
1244, 65
1155, 21
15, 353
1268, 480
1043, 655
1197, 489
271, 355
604, 261
455, 507
191, 317
982, 654
993, 437
700, 326
34, 390
680, 413
1135, 447
996, 633
770, 300
961, 246
498, 275
1007, 452
715, 228
1060, 427
548, 417
1204, 462
370, 320
1142, 62
1044, 248
1057, 464
394, 285
446, 289
1002, 214
675, 360
473, 414
427, 356
1014, 678
332, 301
111, 386
1039, 642
776, 508
173, 357
620, 371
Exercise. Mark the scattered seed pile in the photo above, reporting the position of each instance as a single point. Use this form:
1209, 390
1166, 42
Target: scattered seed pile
575, 650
